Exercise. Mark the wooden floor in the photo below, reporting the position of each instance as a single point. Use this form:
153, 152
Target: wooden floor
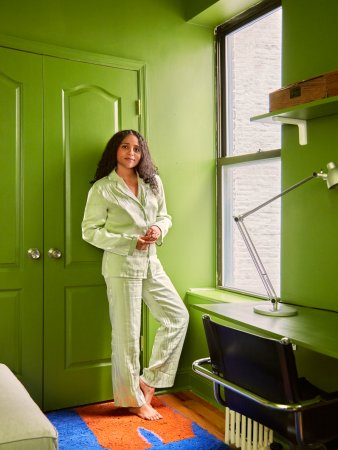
198, 410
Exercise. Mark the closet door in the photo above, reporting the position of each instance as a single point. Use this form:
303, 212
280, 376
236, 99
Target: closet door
21, 235
84, 105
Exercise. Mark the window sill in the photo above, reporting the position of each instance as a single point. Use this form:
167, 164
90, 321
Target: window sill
212, 295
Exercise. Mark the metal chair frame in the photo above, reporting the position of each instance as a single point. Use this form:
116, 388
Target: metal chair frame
295, 405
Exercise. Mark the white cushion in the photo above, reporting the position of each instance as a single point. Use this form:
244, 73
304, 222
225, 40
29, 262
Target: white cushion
23, 426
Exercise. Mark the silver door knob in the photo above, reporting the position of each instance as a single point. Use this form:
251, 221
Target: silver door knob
54, 253
33, 253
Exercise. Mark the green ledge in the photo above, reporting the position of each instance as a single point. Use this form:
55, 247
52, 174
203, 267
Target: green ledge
213, 295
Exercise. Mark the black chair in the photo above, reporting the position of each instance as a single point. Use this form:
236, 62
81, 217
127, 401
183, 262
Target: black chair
258, 377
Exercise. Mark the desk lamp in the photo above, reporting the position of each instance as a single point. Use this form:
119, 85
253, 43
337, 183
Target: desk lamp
274, 307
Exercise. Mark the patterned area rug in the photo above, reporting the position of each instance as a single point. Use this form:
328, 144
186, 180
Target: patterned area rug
104, 426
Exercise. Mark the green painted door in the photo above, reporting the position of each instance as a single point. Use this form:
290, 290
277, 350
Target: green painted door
84, 104
56, 116
21, 274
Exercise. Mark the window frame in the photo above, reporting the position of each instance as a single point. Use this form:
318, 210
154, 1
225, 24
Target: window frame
248, 16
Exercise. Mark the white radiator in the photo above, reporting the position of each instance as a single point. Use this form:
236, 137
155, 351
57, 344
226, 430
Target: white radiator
246, 434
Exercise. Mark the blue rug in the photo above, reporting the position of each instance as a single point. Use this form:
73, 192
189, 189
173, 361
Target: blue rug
103, 426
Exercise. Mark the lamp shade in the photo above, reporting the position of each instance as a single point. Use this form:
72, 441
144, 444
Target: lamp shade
332, 175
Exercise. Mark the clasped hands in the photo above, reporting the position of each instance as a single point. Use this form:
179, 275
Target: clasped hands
150, 237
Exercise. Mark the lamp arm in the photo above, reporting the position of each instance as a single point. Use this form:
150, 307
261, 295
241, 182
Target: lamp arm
256, 259
276, 308
250, 245
286, 191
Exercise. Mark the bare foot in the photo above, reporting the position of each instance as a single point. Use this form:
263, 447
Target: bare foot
148, 391
146, 412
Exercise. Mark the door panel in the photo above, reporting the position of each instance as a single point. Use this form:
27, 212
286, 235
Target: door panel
21, 302
84, 106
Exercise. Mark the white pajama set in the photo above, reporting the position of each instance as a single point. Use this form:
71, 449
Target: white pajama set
114, 218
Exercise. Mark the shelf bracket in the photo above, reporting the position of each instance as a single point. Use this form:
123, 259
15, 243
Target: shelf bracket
301, 124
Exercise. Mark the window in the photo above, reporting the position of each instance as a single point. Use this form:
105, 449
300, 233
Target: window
249, 68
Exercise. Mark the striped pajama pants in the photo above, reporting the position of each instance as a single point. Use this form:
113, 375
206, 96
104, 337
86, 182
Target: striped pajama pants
125, 297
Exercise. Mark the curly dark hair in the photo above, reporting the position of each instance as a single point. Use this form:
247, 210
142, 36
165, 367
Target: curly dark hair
145, 168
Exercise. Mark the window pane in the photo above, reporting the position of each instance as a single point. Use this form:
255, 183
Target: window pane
253, 64
246, 186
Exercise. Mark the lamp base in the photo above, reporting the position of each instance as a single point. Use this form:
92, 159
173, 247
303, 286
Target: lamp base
281, 310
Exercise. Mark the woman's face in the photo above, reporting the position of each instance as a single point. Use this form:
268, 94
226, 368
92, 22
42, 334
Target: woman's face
128, 153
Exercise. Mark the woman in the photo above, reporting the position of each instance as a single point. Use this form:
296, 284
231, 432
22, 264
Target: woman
126, 216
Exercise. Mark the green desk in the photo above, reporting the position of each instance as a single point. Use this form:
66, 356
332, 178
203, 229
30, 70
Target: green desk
311, 328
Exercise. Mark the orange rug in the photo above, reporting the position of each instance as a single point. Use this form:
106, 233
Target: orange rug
104, 426
117, 429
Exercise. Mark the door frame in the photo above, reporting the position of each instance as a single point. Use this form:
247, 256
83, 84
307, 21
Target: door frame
72, 54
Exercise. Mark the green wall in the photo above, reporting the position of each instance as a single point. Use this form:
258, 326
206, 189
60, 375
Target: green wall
180, 91
310, 214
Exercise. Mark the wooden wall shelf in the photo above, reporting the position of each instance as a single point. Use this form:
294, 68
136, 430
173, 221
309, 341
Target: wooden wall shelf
300, 114
306, 111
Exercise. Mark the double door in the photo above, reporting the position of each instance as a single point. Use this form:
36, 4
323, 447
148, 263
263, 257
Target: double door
56, 116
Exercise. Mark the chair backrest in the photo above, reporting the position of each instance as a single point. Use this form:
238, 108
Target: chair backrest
261, 365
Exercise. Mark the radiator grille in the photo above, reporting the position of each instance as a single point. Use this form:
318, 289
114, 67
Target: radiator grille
246, 434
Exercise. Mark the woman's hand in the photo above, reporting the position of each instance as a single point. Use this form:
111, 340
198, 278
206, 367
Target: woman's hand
153, 233
141, 244
150, 237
